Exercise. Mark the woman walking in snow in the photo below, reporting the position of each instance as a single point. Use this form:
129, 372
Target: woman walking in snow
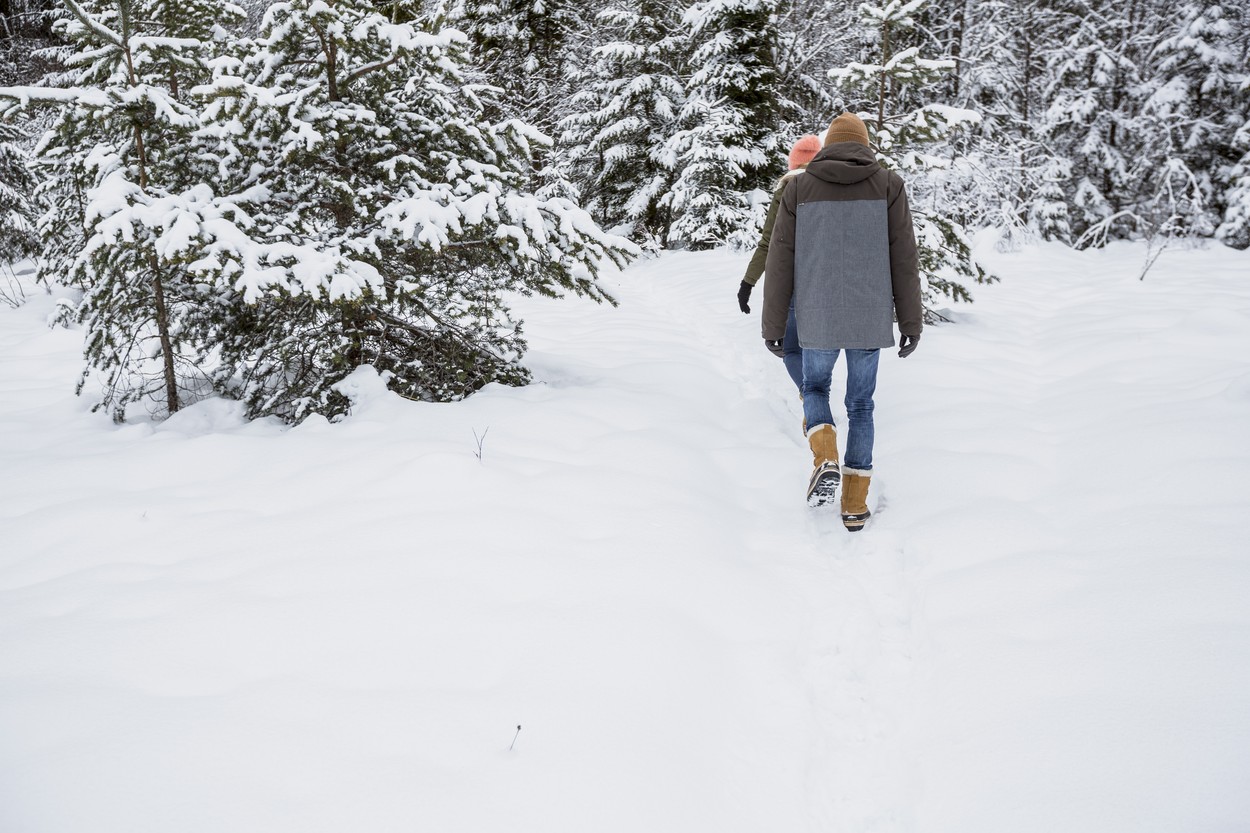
800, 154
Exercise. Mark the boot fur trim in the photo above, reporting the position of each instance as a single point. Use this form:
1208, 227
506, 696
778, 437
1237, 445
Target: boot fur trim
816, 428
857, 472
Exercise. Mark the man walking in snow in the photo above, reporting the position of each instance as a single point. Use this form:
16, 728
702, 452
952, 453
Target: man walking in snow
843, 251
804, 148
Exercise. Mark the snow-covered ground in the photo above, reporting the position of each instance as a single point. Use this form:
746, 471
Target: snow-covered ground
208, 626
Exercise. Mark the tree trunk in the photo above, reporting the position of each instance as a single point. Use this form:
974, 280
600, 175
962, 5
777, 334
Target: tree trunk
330, 51
158, 286
167, 347
957, 48
885, 59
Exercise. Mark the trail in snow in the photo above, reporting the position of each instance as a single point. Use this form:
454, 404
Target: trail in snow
857, 638
208, 625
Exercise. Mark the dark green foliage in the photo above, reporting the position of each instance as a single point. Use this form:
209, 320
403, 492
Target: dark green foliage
387, 220
614, 145
728, 147
116, 167
18, 237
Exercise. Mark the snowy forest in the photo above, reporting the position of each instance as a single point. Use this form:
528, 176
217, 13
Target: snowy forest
254, 201
427, 472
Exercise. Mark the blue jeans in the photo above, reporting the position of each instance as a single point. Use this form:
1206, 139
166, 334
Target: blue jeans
793, 353
861, 384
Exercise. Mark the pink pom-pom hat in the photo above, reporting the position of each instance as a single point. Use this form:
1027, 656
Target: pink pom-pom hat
804, 149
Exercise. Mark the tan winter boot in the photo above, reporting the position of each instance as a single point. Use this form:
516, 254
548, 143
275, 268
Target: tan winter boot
826, 473
855, 498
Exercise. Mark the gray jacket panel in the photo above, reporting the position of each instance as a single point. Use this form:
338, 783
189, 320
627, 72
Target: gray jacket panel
843, 294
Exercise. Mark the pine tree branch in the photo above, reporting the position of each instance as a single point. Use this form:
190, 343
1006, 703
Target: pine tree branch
365, 70
94, 25
459, 333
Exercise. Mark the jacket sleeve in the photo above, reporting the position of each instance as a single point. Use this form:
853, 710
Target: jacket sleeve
756, 267
779, 274
904, 262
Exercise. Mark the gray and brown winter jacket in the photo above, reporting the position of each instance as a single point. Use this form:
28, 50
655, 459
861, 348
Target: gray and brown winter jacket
844, 249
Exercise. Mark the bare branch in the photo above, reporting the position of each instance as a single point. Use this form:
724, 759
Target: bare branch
365, 70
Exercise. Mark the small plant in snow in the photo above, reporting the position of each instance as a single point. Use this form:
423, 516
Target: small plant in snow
12, 292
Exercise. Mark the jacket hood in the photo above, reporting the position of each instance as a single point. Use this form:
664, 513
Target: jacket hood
844, 163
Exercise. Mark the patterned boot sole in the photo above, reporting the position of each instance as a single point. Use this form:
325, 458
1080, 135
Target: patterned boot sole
823, 487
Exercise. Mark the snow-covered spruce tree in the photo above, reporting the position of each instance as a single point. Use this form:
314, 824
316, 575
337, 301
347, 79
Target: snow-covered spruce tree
1184, 121
1231, 173
370, 216
1039, 170
1196, 108
907, 132
530, 50
613, 143
812, 36
25, 32
116, 169
18, 237
526, 48
1000, 174
1046, 206
1092, 118
1234, 228
727, 151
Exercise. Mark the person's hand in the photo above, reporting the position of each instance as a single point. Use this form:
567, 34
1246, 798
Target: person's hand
774, 347
744, 295
907, 345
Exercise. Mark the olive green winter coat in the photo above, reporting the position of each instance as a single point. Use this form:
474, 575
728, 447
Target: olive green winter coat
756, 267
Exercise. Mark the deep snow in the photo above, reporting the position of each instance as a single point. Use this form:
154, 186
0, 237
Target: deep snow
207, 625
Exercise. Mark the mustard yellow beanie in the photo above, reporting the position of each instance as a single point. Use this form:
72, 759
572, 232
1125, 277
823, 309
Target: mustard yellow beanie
847, 127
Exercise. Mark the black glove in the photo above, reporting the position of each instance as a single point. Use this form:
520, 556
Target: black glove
774, 347
744, 295
907, 345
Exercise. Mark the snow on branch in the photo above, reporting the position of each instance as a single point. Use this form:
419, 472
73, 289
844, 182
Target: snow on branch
93, 25
895, 12
22, 97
